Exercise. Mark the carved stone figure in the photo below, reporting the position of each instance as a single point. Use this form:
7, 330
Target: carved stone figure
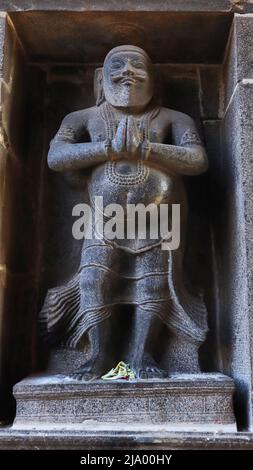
136, 151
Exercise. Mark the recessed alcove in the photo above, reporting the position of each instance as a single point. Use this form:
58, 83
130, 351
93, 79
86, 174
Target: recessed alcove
50, 59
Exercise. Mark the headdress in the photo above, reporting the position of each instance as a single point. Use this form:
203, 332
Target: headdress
127, 48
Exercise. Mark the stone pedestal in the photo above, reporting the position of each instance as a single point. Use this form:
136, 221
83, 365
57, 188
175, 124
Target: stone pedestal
187, 401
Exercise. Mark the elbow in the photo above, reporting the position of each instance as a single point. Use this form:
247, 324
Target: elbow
200, 163
54, 161
53, 164
203, 164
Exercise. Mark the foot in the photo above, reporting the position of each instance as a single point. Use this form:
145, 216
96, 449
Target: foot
149, 369
88, 372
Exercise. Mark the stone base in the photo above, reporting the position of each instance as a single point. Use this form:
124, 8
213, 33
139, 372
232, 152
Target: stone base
97, 439
192, 402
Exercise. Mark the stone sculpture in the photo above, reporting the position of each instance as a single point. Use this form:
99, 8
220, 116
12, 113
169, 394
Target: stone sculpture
135, 151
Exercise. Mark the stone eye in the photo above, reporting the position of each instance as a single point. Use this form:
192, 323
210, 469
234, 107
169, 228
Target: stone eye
116, 65
138, 65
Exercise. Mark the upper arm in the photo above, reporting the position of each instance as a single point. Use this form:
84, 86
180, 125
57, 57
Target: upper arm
184, 132
72, 129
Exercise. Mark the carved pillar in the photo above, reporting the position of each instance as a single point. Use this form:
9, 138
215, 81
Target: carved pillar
237, 176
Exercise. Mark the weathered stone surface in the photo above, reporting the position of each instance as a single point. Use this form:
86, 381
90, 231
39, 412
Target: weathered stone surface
209, 93
18, 214
211, 131
237, 216
19, 185
68, 309
235, 340
3, 163
179, 88
100, 5
2, 40
112, 437
170, 37
238, 64
246, 5
190, 399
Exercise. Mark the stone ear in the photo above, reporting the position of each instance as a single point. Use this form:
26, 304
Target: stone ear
158, 84
98, 86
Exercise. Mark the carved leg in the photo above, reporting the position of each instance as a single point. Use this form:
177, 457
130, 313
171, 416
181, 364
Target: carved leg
96, 364
94, 285
146, 327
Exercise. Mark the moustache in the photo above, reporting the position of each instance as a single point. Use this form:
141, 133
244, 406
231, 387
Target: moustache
121, 78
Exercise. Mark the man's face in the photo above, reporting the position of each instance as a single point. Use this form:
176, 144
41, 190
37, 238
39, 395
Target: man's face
127, 80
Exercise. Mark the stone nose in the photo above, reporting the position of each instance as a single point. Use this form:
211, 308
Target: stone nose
128, 69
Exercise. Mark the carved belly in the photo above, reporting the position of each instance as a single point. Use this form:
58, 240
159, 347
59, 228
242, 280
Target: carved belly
129, 182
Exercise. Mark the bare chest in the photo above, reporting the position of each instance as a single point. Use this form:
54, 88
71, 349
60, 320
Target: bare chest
157, 131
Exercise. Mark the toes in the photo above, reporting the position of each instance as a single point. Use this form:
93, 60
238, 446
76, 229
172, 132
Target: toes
159, 372
76, 376
152, 373
143, 374
87, 377
82, 376
156, 373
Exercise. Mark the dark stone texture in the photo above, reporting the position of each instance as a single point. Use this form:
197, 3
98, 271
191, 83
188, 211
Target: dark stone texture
235, 264
154, 439
129, 5
238, 61
247, 6
8, 51
68, 87
229, 350
20, 200
179, 88
160, 440
3, 138
2, 40
88, 36
212, 138
190, 399
61, 360
91, 140
210, 90
229, 72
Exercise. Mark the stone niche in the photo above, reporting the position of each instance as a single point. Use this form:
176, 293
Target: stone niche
47, 64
